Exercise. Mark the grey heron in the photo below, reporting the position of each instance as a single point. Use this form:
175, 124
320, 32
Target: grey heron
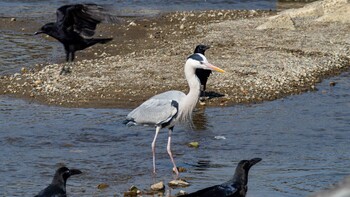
166, 109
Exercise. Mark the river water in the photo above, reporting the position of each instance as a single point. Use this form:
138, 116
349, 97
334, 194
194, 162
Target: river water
303, 140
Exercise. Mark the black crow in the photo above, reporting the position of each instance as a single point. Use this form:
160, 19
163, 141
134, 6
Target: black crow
236, 187
202, 74
73, 24
57, 188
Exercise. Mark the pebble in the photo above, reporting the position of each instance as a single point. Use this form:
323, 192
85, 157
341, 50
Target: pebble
178, 183
132, 23
158, 186
102, 186
220, 137
193, 144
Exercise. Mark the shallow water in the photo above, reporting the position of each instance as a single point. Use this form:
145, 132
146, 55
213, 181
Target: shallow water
303, 140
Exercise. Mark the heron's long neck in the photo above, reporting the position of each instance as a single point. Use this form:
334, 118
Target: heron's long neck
189, 102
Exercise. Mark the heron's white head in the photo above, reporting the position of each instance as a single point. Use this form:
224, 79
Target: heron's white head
198, 60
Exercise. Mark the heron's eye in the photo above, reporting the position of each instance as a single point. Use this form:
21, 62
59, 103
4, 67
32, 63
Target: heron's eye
201, 62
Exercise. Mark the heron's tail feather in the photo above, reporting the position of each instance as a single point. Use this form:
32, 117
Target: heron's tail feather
129, 122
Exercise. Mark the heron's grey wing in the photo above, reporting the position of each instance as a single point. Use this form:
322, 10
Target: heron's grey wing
154, 111
171, 95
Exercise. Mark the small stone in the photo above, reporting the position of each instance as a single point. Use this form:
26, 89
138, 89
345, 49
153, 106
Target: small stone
181, 192
13, 19
102, 186
332, 83
178, 183
132, 23
219, 137
37, 82
133, 188
182, 26
193, 144
24, 70
158, 186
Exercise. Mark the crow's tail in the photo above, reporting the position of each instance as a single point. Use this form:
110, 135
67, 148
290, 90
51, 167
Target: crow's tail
93, 41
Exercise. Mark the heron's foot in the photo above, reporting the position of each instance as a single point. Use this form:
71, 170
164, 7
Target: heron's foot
154, 171
65, 70
176, 171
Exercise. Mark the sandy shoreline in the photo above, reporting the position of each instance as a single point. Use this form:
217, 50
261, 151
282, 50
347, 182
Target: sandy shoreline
147, 57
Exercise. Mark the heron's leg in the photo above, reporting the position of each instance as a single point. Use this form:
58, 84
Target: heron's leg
169, 151
154, 149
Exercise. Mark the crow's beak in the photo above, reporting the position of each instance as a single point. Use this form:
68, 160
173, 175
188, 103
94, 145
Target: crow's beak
254, 161
74, 171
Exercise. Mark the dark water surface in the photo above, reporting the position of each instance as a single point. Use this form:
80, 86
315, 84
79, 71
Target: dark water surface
304, 142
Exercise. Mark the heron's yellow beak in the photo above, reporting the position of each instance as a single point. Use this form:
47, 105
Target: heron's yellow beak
212, 67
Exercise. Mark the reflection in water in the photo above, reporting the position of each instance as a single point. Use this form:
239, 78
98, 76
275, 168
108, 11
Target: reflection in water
199, 119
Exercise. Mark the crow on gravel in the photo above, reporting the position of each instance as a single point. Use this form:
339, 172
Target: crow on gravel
74, 23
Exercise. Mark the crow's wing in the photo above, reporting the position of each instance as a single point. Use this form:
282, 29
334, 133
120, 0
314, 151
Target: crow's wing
52, 191
81, 18
214, 191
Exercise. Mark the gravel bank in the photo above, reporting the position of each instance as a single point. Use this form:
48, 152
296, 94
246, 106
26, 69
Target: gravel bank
147, 57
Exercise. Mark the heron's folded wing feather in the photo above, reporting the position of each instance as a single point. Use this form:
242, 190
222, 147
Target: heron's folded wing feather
153, 111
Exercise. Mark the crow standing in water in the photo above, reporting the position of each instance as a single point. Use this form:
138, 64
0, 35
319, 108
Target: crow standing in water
202, 74
236, 187
73, 24
57, 188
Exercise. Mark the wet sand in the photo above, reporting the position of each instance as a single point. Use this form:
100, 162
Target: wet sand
147, 56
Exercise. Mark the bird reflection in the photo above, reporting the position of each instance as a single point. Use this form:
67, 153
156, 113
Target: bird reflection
200, 121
